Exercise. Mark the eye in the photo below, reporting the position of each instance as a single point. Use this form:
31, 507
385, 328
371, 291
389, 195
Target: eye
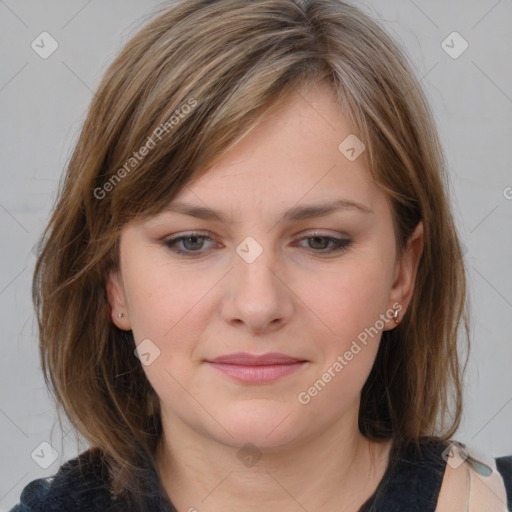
192, 244
319, 243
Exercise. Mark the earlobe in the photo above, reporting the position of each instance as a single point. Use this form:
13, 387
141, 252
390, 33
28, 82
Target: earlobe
406, 269
116, 299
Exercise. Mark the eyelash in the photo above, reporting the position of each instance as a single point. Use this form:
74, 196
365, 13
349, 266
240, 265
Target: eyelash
340, 244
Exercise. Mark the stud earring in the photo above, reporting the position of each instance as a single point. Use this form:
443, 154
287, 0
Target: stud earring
120, 315
395, 316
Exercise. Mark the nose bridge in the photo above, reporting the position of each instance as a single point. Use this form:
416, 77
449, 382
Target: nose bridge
258, 297
254, 263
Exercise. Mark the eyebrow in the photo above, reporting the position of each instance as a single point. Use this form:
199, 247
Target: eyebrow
295, 213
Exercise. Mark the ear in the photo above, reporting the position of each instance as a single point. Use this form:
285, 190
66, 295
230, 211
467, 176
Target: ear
406, 269
117, 300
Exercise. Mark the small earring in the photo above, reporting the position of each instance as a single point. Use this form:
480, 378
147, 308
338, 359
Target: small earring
395, 316
120, 315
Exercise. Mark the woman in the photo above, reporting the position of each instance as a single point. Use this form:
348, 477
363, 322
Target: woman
250, 289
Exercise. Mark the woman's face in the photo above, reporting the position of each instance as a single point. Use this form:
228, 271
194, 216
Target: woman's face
267, 278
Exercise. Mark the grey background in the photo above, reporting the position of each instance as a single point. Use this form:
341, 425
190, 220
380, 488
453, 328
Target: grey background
43, 103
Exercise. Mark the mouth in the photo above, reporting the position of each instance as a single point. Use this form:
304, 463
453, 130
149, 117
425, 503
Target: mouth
256, 369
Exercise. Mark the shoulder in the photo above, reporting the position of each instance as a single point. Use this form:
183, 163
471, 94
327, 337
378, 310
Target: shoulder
470, 483
80, 484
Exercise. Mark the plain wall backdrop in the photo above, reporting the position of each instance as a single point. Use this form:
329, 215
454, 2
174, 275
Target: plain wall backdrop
43, 103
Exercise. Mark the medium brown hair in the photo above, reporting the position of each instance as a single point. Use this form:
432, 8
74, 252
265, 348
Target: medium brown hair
232, 61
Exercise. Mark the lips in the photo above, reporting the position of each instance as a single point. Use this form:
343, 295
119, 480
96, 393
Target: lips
256, 369
246, 359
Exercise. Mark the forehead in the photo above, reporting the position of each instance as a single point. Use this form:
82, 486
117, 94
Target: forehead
293, 153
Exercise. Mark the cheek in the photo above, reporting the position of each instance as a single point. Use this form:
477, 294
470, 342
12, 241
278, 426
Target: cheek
172, 308
350, 299
168, 309
164, 299
350, 304
151, 304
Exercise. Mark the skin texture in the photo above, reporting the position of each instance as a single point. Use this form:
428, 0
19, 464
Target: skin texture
293, 299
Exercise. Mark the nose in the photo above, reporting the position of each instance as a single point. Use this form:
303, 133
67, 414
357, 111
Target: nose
257, 296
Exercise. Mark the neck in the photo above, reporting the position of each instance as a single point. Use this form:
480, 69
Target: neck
338, 470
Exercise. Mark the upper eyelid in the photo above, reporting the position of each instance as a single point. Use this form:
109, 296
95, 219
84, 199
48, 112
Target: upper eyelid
306, 234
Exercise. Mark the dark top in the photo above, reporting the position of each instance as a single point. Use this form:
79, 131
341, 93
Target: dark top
504, 467
411, 483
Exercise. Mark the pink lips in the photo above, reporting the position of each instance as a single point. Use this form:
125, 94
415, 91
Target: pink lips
250, 368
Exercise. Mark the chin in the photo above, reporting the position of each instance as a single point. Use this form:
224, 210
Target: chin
267, 425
